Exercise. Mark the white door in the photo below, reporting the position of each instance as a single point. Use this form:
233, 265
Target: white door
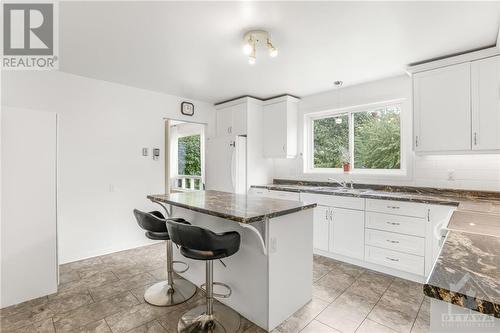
224, 121
442, 114
275, 130
321, 228
28, 222
347, 236
486, 104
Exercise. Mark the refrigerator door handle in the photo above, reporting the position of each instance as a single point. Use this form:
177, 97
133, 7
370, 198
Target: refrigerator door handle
233, 166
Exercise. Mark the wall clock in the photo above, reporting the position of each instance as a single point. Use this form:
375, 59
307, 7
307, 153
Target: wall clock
187, 108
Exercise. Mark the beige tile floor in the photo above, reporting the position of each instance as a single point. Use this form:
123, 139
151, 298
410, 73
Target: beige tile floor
105, 294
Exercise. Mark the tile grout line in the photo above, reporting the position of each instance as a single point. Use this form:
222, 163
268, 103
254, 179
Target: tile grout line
315, 318
373, 307
418, 311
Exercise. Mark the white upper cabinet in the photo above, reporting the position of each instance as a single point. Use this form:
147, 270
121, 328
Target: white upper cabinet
486, 104
232, 119
280, 127
457, 107
442, 115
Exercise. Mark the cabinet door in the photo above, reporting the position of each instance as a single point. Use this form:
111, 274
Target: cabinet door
275, 130
224, 121
347, 235
321, 226
486, 104
239, 119
442, 114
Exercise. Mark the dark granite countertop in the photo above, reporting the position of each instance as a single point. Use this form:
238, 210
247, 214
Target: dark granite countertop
235, 207
467, 271
365, 193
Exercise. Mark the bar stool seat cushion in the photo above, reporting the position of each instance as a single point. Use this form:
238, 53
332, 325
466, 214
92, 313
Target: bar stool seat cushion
202, 244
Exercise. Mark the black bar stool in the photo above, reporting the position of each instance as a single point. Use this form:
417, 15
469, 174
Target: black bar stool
202, 244
174, 290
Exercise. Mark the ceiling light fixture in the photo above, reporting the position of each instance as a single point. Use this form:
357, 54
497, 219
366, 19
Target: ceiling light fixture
254, 38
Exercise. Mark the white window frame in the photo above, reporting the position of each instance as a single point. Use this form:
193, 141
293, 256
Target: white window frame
309, 140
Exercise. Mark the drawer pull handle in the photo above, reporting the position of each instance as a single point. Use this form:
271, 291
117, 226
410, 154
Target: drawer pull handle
393, 223
391, 259
393, 241
393, 207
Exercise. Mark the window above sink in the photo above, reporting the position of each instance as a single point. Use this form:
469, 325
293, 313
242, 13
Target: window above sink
369, 138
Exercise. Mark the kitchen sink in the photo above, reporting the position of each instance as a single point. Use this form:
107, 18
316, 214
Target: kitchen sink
350, 190
339, 189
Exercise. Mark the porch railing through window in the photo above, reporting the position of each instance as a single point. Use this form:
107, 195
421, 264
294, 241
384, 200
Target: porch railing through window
188, 183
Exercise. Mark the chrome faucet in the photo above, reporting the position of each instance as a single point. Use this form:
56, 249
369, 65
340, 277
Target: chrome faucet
342, 182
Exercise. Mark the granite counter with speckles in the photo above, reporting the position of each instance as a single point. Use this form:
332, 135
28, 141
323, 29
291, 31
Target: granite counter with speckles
467, 272
235, 207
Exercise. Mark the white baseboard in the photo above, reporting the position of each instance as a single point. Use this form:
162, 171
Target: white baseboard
375, 267
101, 252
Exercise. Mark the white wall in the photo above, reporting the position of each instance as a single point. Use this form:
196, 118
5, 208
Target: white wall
102, 174
28, 197
471, 171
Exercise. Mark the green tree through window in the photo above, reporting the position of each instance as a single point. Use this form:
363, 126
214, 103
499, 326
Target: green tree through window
376, 137
189, 158
331, 139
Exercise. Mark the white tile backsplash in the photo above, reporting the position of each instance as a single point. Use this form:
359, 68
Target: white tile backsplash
471, 171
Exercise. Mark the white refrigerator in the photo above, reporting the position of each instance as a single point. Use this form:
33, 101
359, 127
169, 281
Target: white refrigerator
226, 167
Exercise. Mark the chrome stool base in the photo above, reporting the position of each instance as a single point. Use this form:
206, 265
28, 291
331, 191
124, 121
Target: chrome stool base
163, 294
223, 320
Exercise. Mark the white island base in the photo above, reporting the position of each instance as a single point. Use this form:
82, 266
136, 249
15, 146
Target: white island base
270, 277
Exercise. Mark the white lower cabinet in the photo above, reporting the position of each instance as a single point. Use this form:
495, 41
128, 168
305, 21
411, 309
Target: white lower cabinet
396, 242
321, 228
347, 232
338, 230
394, 237
397, 260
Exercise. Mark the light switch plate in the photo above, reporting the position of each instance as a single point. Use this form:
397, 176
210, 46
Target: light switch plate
145, 151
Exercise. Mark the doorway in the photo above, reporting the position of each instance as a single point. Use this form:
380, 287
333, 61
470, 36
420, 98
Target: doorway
184, 156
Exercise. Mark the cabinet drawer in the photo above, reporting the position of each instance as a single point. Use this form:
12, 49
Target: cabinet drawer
395, 223
397, 242
397, 260
334, 200
284, 195
396, 207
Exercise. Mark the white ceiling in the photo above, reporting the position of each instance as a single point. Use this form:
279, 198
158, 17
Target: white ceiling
193, 49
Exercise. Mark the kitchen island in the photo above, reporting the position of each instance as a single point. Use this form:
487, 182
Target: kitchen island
271, 274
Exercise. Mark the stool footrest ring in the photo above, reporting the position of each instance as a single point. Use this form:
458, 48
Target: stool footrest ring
229, 290
180, 262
